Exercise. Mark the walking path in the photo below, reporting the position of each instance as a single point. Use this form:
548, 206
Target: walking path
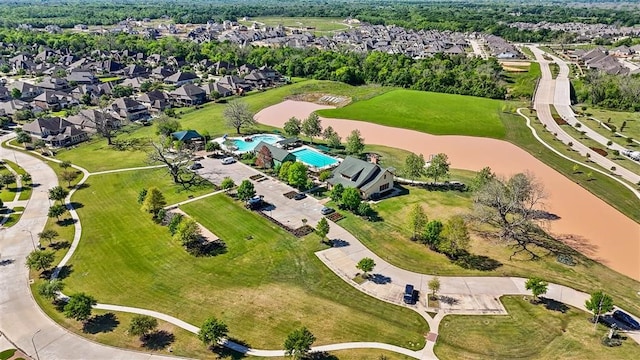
556, 93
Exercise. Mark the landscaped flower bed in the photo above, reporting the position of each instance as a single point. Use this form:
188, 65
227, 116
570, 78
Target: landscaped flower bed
256, 176
335, 217
302, 231
599, 151
560, 121
290, 194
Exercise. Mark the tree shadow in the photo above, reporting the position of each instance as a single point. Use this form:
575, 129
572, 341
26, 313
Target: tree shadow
34, 185
81, 186
60, 245
554, 305
6, 262
59, 304
477, 262
448, 300
321, 355
379, 279
65, 271
76, 205
575, 245
101, 324
545, 215
66, 222
224, 352
158, 340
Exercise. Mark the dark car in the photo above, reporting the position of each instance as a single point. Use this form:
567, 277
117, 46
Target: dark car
626, 319
300, 196
196, 166
326, 210
409, 294
255, 202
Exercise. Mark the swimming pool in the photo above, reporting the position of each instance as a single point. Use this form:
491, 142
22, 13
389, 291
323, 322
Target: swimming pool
314, 158
246, 146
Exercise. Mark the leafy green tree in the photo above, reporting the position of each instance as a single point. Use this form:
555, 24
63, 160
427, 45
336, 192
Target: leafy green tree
417, 221
366, 265
23, 138
142, 194
482, 178
40, 260
166, 126
599, 303
432, 233
7, 179
187, 232
145, 86
26, 178
212, 146
454, 237
331, 136
174, 222
434, 286
142, 325
50, 289
311, 126
79, 306
238, 115
325, 175
336, 193
16, 93
298, 175
55, 211
48, 235
246, 190
153, 201
438, 167
212, 331
414, 166
227, 183
69, 176
65, 164
322, 228
293, 126
283, 172
58, 193
351, 198
298, 343
365, 210
355, 143
537, 287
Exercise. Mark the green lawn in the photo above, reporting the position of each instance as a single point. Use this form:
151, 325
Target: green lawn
26, 190
528, 332
522, 84
95, 155
320, 24
434, 113
273, 280
631, 129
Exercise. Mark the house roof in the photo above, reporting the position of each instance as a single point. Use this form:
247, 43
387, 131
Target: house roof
355, 173
188, 90
186, 135
53, 123
278, 154
89, 118
152, 96
181, 76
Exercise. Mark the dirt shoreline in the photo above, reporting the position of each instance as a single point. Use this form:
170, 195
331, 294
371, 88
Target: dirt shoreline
588, 223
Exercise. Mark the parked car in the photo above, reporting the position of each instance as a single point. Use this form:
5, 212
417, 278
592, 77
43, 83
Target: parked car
326, 210
254, 202
300, 196
627, 319
195, 166
228, 160
409, 294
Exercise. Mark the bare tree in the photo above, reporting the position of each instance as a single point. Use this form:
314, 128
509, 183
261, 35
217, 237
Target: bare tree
105, 124
177, 162
513, 207
237, 114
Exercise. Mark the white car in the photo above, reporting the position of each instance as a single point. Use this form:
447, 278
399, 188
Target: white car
228, 160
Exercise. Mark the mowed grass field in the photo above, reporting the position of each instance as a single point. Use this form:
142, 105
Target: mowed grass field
433, 113
527, 332
319, 24
262, 288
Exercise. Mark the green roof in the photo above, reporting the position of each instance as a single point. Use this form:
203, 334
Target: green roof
186, 135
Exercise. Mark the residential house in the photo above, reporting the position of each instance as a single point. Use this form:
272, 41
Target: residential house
108, 67
54, 100
181, 78
82, 77
370, 179
135, 70
189, 95
278, 155
27, 91
134, 83
161, 72
91, 119
4, 93
55, 84
55, 131
154, 101
11, 107
222, 68
129, 109
234, 83
217, 87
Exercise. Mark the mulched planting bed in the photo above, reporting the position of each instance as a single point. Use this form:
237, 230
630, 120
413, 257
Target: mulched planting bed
256, 177
263, 179
335, 217
302, 231
560, 121
290, 194
599, 151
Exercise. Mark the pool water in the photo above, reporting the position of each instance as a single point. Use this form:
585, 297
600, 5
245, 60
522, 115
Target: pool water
245, 146
314, 158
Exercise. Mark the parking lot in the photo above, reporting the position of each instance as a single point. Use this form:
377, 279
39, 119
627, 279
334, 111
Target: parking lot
288, 211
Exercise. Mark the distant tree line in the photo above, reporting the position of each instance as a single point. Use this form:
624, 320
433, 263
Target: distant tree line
610, 91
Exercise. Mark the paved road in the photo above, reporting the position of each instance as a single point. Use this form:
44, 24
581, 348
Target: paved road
557, 92
20, 316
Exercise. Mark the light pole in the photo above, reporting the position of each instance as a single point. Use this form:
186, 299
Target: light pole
34, 343
32, 242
